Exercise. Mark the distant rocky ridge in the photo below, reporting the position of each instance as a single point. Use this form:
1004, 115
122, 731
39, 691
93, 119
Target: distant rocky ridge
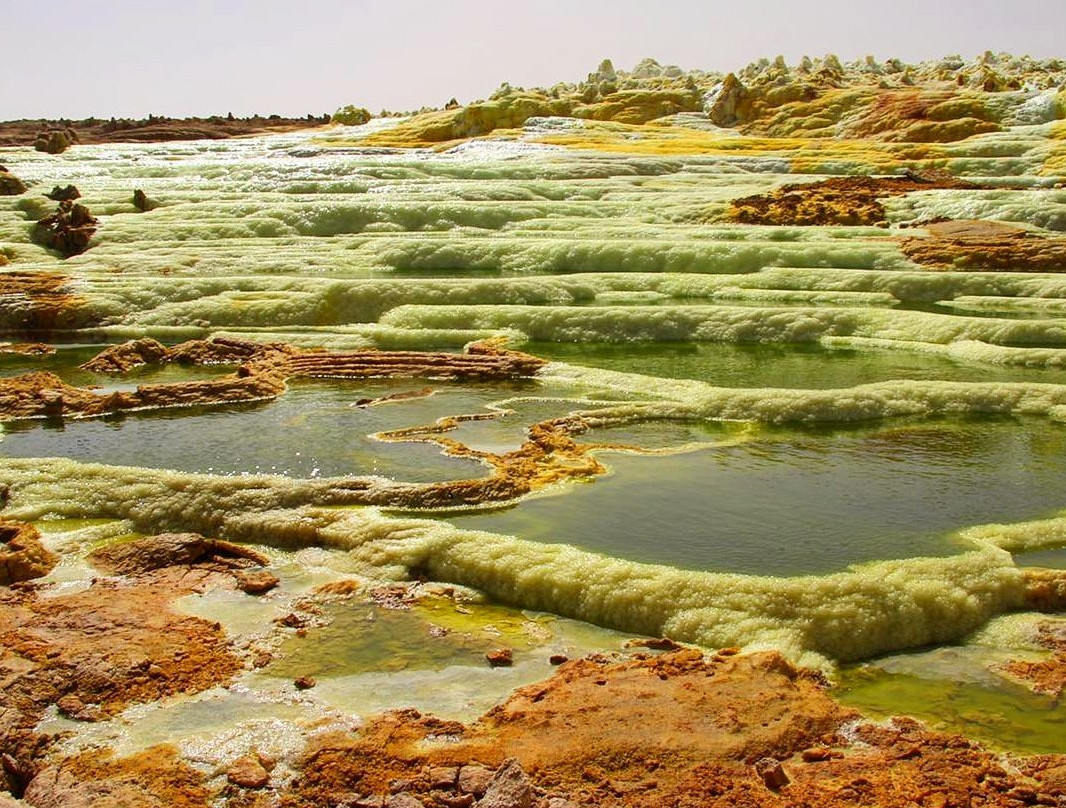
931, 102
55, 136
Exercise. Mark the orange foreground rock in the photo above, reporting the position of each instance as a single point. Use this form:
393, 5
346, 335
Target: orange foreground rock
675, 729
1047, 675
672, 730
117, 642
836, 201
22, 556
977, 245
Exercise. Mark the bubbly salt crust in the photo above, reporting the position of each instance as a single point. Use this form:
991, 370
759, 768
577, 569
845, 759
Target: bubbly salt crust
301, 238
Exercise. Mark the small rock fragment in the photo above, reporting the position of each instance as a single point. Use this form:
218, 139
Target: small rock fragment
142, 202
772, 773
817, 754
291, 620
403, 800
655, 644
305, 682
558, 659
247, 772
474, 779
256, 582
70, 705
443, 777
500, 658
510, 787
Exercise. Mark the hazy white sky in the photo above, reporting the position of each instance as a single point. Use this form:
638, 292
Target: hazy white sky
74, 58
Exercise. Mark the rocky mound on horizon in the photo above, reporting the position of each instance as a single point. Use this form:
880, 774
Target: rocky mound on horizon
932, 102
148, 130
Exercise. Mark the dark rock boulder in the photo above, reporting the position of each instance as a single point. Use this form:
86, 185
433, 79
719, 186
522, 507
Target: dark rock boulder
66, 231
142, 202
55, 141
68, 194
10, 185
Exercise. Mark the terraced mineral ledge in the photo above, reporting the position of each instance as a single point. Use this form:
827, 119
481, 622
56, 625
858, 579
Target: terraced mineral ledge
664, 438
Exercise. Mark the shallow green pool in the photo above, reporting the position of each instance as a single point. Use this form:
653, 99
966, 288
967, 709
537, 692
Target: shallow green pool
789, 502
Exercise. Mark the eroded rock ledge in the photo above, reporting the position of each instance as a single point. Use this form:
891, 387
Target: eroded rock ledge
549, 454
261, 374
982, 245
836, 201
117, 642
37, 301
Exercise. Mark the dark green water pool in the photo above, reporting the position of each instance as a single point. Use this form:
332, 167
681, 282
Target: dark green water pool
791, 502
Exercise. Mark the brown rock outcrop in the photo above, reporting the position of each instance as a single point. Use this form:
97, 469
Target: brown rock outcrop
22, 556
154, 778
982, 245
10, 185
37, 301
27, 348
1046, 675
68, 230
153, 129
64, 194
55, 141
247, 772
142, 202
836, 201
669, 730
262, 371
101, 649
173, 549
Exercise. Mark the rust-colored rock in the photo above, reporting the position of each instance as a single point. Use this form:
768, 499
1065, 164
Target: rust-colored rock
772, 773
37, 301
510, 787
67, 231
98, 650
173, 549
474, 779
248, 772
981, 245
500, 658
256, 582
22, 556
604, 732
305, 682
1046, 675
836, 201
154, 778
10, 185
27, 348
